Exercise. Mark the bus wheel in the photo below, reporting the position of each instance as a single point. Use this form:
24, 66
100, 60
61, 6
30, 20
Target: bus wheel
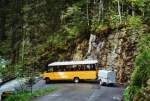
47, 80
76, 80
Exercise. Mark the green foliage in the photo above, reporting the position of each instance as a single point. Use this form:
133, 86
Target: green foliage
72, 32
3, 67
130, 92
57, 41
71, 11
74, 20
27, 96
142, 95
135, 22
101, 27
144, 42
139, 3
4, 48
141, 73
127, 94
115, 20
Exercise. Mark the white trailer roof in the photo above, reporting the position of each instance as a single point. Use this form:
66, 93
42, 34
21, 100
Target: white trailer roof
65, 63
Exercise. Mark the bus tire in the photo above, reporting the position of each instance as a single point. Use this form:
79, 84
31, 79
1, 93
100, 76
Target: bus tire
47, 80
76, 80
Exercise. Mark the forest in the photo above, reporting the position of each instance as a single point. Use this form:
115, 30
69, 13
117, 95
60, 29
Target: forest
34, 33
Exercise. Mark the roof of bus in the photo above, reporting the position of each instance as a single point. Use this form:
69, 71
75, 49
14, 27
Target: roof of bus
64, 63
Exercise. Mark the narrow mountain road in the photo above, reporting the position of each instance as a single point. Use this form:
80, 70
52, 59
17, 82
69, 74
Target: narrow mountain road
81, 92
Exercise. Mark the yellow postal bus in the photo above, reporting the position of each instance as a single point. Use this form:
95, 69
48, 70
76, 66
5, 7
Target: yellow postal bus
71, 70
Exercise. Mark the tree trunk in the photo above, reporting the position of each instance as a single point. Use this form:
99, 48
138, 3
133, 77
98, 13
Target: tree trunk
2, 19
102, 14
100, 10
133, 13
119, 11
2, 26
94, 2
87, 13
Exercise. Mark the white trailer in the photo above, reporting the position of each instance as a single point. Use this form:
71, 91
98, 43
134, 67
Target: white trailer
106, 77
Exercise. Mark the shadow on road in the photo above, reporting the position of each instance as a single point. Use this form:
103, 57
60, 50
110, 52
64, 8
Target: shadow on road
81, 82
66, 81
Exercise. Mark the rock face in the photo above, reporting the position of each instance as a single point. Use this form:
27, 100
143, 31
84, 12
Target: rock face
80, 50
115, 50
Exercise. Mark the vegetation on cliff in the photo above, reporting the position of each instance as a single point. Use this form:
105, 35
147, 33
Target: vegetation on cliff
139, 88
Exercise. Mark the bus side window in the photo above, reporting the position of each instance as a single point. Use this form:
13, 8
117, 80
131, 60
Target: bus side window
67, 68
79, 68
93, 67
72, 69
50, 69
63, 69
88, 67
82, 67
85, 67
55, 69
45, 69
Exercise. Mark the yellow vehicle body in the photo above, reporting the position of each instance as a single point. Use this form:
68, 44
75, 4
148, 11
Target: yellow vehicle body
70, 75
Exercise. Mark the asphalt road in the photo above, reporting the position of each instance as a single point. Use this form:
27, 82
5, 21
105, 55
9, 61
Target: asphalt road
84, 91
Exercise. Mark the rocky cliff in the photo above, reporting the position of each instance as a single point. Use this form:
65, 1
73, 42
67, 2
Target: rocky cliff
115, 49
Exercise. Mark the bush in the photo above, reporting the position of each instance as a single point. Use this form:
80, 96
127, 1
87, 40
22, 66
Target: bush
135, 22
27, 96
130, 92
138, 90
